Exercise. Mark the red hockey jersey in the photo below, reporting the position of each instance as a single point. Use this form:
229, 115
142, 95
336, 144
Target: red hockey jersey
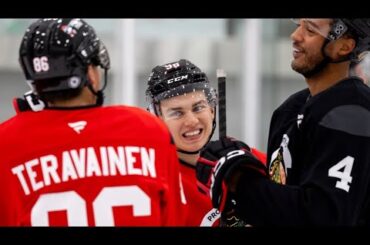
98, 166
199, 206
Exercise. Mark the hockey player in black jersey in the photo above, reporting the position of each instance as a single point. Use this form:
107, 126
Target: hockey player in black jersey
319, 140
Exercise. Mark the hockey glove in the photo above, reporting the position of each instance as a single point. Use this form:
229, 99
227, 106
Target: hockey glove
235, 162
209, 156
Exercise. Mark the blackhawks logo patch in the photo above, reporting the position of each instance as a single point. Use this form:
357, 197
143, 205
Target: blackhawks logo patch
277, 172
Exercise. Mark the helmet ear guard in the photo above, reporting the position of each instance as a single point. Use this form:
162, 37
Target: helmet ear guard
151, 109
360, 28
154, 108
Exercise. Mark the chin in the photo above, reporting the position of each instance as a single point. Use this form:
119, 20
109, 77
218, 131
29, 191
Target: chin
193, 147
297, 68
294, 65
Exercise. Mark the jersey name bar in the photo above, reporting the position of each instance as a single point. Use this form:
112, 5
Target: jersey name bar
85, 162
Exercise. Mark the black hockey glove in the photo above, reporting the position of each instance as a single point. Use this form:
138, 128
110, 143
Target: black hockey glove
209, 157
234, 161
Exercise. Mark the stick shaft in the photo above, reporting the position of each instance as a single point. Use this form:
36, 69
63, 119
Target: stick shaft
221, 78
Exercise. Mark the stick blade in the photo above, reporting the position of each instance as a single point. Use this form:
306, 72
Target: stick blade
220, 73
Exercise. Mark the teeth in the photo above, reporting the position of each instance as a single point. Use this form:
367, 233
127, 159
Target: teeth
192, 133
295, 49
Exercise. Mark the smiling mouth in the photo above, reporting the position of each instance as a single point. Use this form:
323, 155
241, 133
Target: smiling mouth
297, 52
192, 133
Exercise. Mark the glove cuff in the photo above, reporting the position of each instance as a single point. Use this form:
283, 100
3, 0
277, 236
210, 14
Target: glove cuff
242, 165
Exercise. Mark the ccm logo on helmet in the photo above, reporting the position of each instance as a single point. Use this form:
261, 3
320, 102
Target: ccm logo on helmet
177, 79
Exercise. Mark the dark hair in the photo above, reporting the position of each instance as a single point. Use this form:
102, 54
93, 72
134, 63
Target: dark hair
55, 95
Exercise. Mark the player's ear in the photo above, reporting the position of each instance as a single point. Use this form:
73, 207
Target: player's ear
93, 75
346, 46
213, 108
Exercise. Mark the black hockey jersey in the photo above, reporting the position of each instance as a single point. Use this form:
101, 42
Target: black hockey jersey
319, 161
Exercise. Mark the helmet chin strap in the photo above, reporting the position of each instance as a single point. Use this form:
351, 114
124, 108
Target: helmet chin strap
319, 67
99, 94
189, 152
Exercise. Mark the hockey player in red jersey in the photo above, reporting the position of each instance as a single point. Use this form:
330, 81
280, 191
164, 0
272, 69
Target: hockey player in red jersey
181, 95
69, 161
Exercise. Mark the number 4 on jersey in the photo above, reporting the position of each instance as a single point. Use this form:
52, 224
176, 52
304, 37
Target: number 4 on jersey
342, 170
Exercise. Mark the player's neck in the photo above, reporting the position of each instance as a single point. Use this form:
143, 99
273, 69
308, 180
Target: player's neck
86, 98
328, 77
188, 158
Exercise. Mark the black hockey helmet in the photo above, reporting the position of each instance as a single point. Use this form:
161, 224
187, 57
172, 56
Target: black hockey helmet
61, 49
177, 78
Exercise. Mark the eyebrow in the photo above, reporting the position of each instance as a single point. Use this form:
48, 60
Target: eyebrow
313, 23
193, 105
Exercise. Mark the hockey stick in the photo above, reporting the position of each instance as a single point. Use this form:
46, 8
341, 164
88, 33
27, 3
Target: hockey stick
228, 219
221, 79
